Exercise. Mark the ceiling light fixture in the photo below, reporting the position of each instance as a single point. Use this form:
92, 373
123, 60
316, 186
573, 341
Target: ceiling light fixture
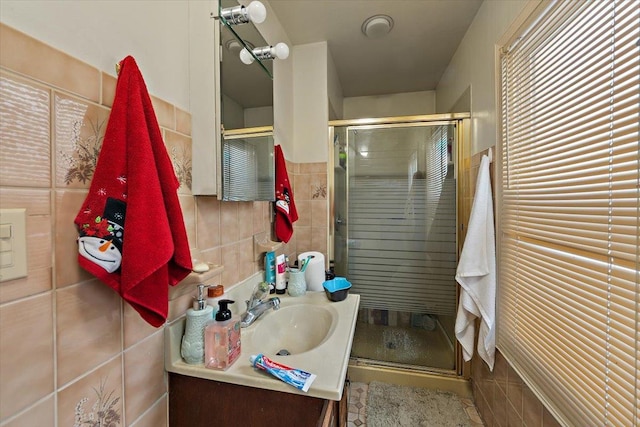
377, 26
234, 46
279, 51
254, 12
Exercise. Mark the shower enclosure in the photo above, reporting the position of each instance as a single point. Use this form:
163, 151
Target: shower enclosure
394, 222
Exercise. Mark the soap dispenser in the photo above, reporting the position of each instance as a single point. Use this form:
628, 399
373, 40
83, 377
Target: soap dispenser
222, 338
192, 349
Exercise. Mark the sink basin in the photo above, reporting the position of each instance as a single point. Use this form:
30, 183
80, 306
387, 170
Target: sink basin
316, 332
294, 329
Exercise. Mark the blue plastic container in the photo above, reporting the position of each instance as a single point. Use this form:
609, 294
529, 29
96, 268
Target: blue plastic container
337, 289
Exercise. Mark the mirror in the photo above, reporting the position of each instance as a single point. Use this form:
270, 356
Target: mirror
247, 149
248, 167
247, 90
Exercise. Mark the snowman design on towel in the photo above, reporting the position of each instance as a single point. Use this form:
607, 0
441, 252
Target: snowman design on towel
283, 200
101, 242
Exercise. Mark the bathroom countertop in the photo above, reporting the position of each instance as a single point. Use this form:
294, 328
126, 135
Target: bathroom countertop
328, 361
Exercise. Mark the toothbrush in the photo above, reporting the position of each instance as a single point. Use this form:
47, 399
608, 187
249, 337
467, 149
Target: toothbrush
305, 263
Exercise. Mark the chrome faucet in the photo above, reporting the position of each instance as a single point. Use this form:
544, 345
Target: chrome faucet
255, 309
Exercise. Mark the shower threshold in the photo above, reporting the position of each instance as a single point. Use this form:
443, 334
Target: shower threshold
363, 361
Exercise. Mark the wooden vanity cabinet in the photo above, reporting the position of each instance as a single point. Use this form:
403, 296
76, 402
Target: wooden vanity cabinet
196, 402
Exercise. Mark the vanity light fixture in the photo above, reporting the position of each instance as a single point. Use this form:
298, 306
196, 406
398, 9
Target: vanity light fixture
377, 26
254, 12
279, 51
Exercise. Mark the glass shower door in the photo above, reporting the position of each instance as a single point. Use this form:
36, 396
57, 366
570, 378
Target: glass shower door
395, 239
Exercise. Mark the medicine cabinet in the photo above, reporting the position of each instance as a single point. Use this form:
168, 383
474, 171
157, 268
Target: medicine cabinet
234, 138
247, 89
247, 164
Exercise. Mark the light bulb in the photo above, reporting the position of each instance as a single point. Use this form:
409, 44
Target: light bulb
246, 57
280, 51
257, 12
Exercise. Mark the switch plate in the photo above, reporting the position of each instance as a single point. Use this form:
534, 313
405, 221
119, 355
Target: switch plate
13, 244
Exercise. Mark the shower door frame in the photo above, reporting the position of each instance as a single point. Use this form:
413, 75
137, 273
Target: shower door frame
460, 154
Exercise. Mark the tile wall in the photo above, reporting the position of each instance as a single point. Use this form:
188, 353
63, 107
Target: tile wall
502, 398
310, 192
71, 352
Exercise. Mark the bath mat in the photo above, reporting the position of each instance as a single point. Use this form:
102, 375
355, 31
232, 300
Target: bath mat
390, 405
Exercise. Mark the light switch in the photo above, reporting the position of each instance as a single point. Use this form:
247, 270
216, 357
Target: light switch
6, 259
13, 244
6, 242
5, 231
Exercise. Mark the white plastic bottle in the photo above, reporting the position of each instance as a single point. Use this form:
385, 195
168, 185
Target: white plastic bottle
281, 279
192, 348
215, 294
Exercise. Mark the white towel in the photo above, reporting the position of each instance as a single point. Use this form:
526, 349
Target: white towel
476, 274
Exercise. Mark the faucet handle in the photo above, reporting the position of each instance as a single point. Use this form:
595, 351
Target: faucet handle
258, 295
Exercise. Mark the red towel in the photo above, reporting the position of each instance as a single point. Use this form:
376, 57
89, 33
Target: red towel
134, 181
286, 213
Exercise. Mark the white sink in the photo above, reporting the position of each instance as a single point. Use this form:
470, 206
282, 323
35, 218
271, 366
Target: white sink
294, 329
315, 331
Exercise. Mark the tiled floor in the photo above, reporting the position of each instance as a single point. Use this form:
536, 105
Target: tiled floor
358, 407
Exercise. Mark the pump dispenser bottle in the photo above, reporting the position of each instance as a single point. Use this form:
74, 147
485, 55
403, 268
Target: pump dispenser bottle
215, 294
192, 348
222, 338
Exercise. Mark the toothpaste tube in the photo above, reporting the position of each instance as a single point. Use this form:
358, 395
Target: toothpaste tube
296, 377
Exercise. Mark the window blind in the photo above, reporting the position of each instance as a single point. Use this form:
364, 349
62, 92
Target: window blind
568, 296
248, 170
